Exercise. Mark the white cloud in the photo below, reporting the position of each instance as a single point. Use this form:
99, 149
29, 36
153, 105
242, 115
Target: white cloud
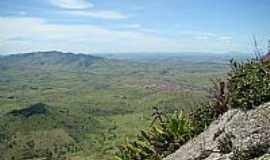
225, 38
37, 34
72, 4
24, 34
134, 26
202, 37
196, 33
22, 13
99, 14
18, 13
206, 36
82, 8
137, 8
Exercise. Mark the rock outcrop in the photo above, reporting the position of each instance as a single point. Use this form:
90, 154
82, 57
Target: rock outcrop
237, 135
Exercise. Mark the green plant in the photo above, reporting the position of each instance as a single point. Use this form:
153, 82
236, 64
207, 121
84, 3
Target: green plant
166, 135
202, 116
249, 84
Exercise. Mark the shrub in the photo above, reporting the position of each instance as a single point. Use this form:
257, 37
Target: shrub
249, 84
201, 117
204, 114
163, 138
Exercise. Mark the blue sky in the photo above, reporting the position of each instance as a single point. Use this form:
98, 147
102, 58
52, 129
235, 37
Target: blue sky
119, 26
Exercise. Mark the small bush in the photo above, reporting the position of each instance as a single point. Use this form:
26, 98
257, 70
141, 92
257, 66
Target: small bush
249, 84
163, 138
202, 117
205, 114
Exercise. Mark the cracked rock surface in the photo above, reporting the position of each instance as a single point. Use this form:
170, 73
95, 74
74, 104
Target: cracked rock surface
237, 135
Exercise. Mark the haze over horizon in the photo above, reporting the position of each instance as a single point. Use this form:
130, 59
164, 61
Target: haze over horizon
99, 26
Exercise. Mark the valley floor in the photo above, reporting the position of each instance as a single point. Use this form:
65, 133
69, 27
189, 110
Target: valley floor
100, 107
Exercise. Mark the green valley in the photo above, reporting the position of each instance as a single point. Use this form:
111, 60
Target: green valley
82, 107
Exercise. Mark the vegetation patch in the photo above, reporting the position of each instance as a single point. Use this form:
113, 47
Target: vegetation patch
42, 131
35, 109
247, 86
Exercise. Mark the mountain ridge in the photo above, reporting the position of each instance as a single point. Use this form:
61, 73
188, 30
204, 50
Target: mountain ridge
49, 58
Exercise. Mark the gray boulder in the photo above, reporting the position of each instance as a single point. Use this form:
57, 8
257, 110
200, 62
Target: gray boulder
237, 135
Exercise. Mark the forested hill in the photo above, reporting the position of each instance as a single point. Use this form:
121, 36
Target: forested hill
48, 59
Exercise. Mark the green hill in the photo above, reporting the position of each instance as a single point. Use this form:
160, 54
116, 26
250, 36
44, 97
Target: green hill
49, 60
40, 130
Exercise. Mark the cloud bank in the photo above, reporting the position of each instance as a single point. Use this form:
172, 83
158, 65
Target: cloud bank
104, 14
85, 8
30, 34
72, 4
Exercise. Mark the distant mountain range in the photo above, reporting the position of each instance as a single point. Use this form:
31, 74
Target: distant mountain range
48, 59
185, 56
70, 61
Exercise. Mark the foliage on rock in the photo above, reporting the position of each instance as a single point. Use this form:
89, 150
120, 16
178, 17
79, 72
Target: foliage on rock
167, 134
249, 84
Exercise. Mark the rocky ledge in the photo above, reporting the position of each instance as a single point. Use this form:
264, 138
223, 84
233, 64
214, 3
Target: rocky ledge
237, 135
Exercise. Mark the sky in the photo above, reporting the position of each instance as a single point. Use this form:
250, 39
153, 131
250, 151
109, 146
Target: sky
124, 26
